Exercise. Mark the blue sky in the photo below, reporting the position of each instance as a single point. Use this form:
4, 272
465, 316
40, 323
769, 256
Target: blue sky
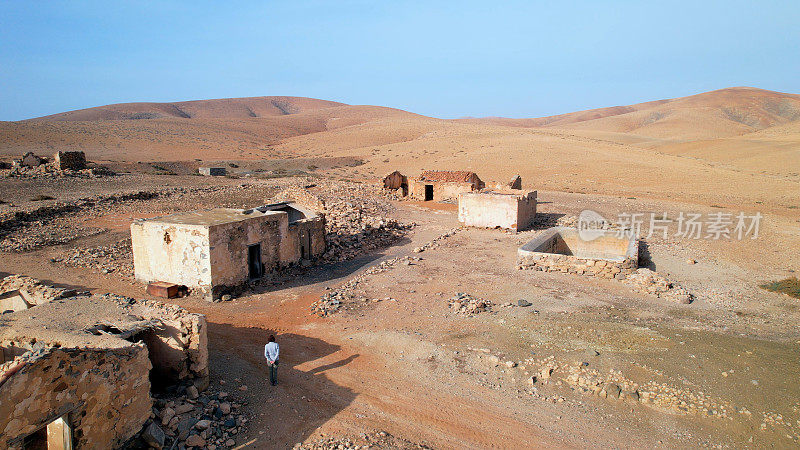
443, 59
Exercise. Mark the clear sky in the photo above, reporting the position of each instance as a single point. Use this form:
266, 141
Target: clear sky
443, 59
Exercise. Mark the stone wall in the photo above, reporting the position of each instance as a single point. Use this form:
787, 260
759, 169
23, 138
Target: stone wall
175, 253
229, 244
572, 264
18, 292
178, 349
104, 393
442, 191
69, 160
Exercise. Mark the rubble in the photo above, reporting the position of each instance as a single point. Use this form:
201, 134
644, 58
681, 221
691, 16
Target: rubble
213, 418
371, 440
346, 295
51, 170
465, 304
649, 282
355, 215
116, 258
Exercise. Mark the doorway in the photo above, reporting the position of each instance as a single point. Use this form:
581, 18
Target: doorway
56, 435
428, 192
305, 245
254, 261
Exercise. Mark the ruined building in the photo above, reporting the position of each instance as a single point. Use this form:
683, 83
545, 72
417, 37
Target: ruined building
218, 250
439, 185
69, 160
493, 208
79, 372
396, 181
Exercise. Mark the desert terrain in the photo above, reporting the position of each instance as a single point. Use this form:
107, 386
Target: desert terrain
555, 360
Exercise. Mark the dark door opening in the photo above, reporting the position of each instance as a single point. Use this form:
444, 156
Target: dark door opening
305, 245
254, 261
428, 192
404, 188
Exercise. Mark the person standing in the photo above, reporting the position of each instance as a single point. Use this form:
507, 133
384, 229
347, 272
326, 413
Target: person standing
271, 351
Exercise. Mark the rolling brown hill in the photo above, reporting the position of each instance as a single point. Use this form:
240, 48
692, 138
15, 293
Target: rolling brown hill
737, 147
224, 108
715, 114
240, 128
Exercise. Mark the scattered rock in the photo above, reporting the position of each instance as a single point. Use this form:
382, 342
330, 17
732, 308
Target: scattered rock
154, 436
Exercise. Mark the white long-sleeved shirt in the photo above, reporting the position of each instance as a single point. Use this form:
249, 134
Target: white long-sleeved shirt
271, 351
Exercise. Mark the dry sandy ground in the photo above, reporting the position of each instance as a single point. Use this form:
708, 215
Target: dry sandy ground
408, 365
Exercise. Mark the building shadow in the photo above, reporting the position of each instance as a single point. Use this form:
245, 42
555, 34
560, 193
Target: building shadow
645, 259
304, 398
322, 273
543, 221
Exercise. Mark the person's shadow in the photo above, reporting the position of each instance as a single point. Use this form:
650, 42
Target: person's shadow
304, 399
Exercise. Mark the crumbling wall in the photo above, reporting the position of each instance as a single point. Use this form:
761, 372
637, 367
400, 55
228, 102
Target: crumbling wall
69, 160
526, 210
172, 253
18, 292
105, 394
442, 191
301, 233
178, 350
229, 244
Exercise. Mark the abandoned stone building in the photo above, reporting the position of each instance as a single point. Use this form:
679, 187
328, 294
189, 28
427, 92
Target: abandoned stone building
31, 160
493, 208
212, 171
440, 185
605, 253
396, 181
69, 160
218, 250
79, 372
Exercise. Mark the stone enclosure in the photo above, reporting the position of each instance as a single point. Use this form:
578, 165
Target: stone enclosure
78, 372
218, 250
562, 249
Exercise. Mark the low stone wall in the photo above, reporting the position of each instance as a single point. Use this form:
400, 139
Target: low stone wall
105, 394
572, 264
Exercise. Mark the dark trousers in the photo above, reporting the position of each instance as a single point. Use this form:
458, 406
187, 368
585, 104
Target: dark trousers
273, 373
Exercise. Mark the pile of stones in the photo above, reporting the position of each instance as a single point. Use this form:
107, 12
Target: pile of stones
465, 304
373, 440
435, 242
117, 258
650, 282
210, 420
346, 295
49, 170
355, 216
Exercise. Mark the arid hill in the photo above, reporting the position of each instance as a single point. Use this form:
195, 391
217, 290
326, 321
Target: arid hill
721, 113
224, 108
737, 147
